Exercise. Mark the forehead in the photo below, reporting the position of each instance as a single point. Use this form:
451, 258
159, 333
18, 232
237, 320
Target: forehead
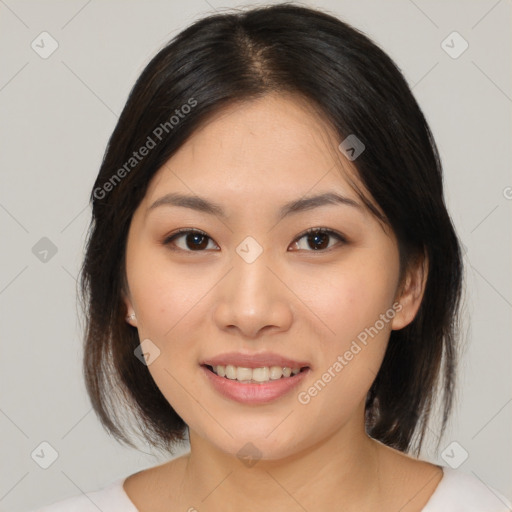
275, 146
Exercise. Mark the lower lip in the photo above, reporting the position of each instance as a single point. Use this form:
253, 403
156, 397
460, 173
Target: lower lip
254, 393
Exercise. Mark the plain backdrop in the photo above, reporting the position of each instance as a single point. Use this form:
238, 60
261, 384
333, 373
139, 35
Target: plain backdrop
56, 115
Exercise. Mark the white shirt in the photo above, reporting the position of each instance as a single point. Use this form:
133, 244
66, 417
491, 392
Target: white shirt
456, 492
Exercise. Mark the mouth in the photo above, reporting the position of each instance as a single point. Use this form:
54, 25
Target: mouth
256, 385
258, 375
254, 379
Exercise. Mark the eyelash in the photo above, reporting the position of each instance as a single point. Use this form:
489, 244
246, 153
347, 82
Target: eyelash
184, 231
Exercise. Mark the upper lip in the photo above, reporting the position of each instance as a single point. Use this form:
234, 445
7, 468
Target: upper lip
254, 360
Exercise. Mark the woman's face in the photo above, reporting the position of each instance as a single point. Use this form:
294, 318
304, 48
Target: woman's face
254, 292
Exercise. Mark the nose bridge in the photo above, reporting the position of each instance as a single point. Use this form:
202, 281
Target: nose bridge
252, 297
251, 275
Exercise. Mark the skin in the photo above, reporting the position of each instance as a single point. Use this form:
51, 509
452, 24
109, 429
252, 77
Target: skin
302, 303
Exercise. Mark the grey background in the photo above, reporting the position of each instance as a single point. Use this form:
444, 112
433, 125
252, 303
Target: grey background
56, 116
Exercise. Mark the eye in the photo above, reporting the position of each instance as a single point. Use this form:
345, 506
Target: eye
318, 238
195, 240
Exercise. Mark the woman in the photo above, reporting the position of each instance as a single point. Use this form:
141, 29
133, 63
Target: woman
272, 274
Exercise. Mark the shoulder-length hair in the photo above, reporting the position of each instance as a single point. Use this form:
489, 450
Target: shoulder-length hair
230, 57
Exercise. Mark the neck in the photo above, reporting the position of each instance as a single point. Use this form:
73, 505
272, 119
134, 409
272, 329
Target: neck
340, 472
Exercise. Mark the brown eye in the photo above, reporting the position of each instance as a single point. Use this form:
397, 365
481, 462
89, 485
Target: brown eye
317, 239
193, 240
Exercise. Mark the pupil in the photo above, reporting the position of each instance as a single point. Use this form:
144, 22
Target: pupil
315, 237
196, 237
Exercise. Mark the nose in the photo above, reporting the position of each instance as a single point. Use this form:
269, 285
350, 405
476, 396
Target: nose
252, 300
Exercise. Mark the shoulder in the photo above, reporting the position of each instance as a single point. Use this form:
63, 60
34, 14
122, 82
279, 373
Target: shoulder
110, 498
462, 492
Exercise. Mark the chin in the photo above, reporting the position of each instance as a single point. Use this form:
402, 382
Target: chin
252, 444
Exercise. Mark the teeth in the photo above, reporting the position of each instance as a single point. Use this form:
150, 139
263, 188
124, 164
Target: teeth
275, 372
247, 375
260, 374
230, 372
243, 373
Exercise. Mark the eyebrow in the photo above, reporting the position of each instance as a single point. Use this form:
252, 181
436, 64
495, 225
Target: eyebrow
212, 208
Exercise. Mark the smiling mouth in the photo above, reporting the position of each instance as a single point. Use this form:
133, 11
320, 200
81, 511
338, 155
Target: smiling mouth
260, 375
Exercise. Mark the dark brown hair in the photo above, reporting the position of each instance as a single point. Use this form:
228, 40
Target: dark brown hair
240, 56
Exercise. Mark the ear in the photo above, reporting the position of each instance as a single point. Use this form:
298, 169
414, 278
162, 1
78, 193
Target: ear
410, 292
130, 312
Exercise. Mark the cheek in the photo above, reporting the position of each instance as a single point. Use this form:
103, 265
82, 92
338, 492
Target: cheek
349, 360
164, 294
348, 299
167, 299
356, 304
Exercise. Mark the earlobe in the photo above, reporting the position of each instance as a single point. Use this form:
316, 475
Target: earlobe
131, 318
411, 294
130, 313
